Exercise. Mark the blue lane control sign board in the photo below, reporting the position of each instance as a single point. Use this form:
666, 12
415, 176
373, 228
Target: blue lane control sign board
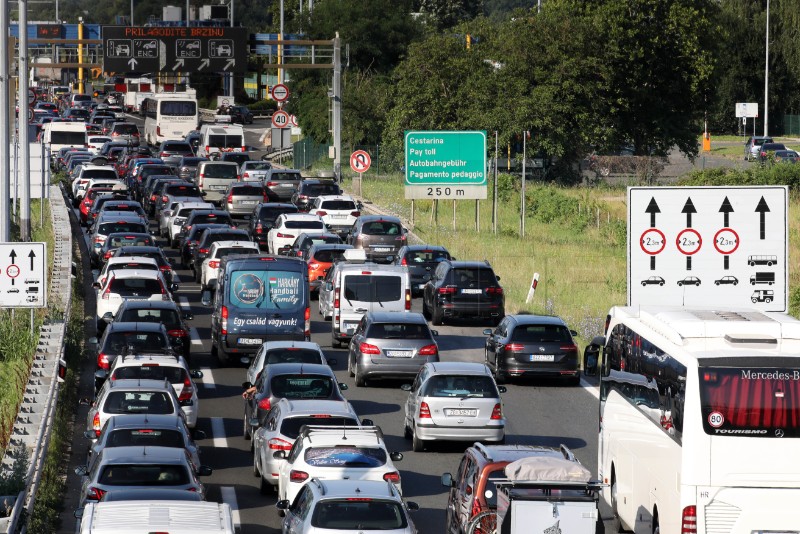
443, 164
174, 49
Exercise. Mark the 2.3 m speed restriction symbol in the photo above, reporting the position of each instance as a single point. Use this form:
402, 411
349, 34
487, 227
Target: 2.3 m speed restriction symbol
360, 161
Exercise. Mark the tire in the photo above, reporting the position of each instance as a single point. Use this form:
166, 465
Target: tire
196, 276
716, 283
264, 488
425, 311
406, 431
483, 523
246, 428
437, 317
616, 521
417, 445
349, 367
754, 300
256, 470
499, 376
680, 284
361, 381
767, 300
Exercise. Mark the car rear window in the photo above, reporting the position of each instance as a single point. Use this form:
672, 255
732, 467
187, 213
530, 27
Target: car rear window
192, 162
117, 342
372, 288
328, 256
358, 515
291, 427
121, 226
345, 456
126, 129
237, 157
172, 146
310, 225
222, 252
398, 331
258, 166
135, 287
317, 190
382, 228
173, 374
135, 265
283, 176
182, 190
229, 172
129, 207
426, 256
541, 333
301, 386
151, 315
292, 355
217, 218
119, 402
471, 386
471, 277
144, 475
153, 437
266, 289
248, 190
225, 141
240, 235
338, 205
270, 214
106, 174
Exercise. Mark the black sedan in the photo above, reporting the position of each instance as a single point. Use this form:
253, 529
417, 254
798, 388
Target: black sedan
421, 261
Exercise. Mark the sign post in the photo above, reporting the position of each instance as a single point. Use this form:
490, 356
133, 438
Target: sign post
360, 162
443, 164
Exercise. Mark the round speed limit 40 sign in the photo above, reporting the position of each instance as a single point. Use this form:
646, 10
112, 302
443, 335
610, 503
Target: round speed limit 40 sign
280, 119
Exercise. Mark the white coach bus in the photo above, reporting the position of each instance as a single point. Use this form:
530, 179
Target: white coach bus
699, 420
169, 116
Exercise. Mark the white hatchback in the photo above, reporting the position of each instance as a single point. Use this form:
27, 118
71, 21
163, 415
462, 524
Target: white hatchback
129, 284
321, 452
218, 250
290, 225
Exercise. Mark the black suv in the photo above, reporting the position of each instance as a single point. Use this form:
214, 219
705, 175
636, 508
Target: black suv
532, 345
263, 219
204, 242
466, 289
421, 261
240, 115
310, 189
164, 312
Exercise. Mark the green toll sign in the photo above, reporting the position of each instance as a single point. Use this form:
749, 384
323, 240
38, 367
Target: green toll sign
445, 165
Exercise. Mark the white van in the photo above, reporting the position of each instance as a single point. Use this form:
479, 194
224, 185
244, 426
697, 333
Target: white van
353, 287
217, 138
64, 134
146, 517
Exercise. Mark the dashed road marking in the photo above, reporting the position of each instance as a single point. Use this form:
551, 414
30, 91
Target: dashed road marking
196, 340
229, 497
183, 302
218, 431
208, 379
593, 390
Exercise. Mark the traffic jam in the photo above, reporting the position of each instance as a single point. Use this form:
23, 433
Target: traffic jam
314, 366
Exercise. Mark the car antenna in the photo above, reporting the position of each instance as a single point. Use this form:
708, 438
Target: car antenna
344, 429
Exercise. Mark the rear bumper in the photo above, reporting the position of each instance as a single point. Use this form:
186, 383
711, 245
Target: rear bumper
394, 367
472, 310
460, 433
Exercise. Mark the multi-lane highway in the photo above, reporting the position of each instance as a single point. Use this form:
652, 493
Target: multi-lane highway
538, 412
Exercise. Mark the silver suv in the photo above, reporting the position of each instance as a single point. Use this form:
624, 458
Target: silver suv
390, 345
453, 401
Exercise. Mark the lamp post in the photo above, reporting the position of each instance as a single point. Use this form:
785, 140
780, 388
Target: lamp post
131, 12
766, 78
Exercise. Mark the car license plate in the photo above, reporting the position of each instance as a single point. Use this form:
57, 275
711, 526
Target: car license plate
471, 291
542, 357
350, 328
399, 353
382, 249
247, 202
337, 216
460, 412
249, 341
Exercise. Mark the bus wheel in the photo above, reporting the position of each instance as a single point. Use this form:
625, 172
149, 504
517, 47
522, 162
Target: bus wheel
617, 522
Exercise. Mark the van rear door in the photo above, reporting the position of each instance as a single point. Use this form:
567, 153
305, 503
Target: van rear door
366, 290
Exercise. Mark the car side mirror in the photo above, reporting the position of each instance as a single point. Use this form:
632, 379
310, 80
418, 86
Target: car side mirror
328, 286
92, 343
502, 389
405, 387
108, 317
343, 386
205, 298
203, 193
81, 470
89, 434
279, 455
573, 332
435, 333
174, 287
283, 504
154, 233
96, 285
78, 513
447, 480
188, 316
100, 375
396, 456
367, 422
591, 357
204, 471
196, 373
487, 331
412, 506
246, 385
498, 278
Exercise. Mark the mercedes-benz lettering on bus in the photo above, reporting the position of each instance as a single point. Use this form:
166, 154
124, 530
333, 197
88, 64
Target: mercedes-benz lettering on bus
699, 419
169, 117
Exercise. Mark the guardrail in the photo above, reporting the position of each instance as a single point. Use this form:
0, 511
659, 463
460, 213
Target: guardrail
35, 418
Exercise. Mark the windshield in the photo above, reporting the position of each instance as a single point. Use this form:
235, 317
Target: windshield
310, 225
67, 138
338, 205
471, 276
178, 108
328, 255
144, 475
222, 252
270, 214
382, 228
264, 289
291, 426
182, 190
257, 166
248, 190
117, 342
127, 227
760, 401
481, 387
372, 288
279, 176
541, 333
345, 456
302, 386
317, 190
216, 218
426, 256
358, 515
220, 171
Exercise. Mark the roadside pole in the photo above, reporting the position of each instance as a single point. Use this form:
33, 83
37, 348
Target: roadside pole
22, 119
494, 196
522, 200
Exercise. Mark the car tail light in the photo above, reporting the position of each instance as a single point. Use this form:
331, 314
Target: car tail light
264, 196
497, 411
322, 213
313, 266
307, 327
114, 134
264, 404
202, 251
186, 392
297, 476
514, 347
178, 332
287, 236
429, 350
107, 291
214, 264
408, 300
96, 424
166, 269
99, 239
95, 494
494, 290
164, 198
763, 154
163, 155
207, 147
153, 198
392, 476
259, 228
246, 175
367, 348
476, 505
278, 444
158, 131
102, 361
448, 290
355, 214
224, 326
689, 520
229, 200
272, 184
404, 261
424, 411
108, 254
244, 148
568, 348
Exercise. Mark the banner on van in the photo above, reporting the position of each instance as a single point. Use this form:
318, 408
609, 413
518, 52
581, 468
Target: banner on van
266, 289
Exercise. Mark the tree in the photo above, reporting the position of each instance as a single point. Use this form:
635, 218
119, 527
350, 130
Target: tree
448, 13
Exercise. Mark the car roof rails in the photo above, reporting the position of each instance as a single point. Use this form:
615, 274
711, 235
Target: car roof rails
305, 430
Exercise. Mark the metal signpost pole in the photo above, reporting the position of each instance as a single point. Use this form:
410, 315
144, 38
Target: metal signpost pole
494, 196
5, 124
522, 200
44, 187
766, 79
337, 108
25, 197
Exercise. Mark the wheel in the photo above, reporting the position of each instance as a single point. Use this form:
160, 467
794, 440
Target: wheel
196, 276
644, 284
483, 523
716, 283
754, 300
437, 317
406, 431
247, 432
680, 284
361, 381
350, 367
265, 488
661, 283
499, 376
616, 521
425, 311
256, 470
768, 300
335, 343
417, 445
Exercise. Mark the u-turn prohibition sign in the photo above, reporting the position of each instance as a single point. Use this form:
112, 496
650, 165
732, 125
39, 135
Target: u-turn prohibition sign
360, 161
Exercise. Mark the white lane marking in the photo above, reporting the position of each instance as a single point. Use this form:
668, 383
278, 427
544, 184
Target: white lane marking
195, 336
229, 498
594, 390
183, 302
185, 289
208, 379
176, 278
218, 431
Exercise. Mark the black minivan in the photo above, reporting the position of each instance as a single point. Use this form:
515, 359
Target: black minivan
257, 299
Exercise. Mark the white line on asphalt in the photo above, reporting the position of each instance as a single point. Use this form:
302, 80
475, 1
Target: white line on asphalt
196, 289
208, 379
183, 302
229, 498
195, 336
176, 279
218, 431
594, 390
